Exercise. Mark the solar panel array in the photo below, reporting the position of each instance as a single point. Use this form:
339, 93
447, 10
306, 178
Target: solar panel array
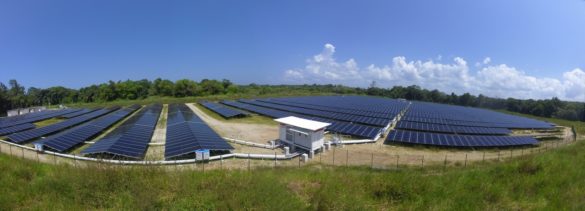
186, 133
448, 140
131, 139
373, 121
222, 110
33, 117
451, 128
467, 116
29, 135
336, 126
77, 113
16, 128
69, 139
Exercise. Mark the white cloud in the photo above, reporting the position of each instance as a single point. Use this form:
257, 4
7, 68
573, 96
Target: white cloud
496, 80
487, 60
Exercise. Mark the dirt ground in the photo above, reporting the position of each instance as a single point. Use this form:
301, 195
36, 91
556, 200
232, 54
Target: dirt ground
258, 133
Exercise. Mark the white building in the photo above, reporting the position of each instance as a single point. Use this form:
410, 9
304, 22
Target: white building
302, 133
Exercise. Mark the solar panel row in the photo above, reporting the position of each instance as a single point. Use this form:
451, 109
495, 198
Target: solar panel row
71, 138
438, 139
384, 106
16, 128
131, 139
336, 126
50, 129
330, 109
451, 128
379, 122
459, 115
186, 133
78, 113
35, 117
222, 110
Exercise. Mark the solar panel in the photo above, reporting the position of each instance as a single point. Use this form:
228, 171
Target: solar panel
336, 126
131, 139
380, 122
71, 138
34, 117
468, 116
186, 133
222, 110
450, 140
77, 113
29, 135
16, 128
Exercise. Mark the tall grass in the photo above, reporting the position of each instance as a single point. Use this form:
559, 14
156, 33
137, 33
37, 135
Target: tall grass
552, 180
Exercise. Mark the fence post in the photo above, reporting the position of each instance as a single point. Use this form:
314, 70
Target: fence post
299, 161
248, 161
346, 157
333, 155
372, 161
445, 163
465, 165
397, 158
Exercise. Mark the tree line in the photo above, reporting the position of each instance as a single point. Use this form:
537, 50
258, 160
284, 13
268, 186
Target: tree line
16, 95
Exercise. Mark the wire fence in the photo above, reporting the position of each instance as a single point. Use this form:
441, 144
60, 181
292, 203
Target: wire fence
347, 155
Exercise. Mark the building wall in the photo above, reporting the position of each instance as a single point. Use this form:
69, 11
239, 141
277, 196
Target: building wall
313, 140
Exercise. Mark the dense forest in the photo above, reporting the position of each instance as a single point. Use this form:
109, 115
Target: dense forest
16, 95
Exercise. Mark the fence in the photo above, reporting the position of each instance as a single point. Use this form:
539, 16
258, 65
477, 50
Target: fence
376, 156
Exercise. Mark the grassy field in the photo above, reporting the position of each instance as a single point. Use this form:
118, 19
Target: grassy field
552, 180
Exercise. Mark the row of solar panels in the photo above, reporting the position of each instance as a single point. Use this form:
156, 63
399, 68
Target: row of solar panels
186, 133
16, 128
336, 126
472, 124
30, 135
131, 138
335, 109
451, 128
69, 139
379, 122
222, 110
384, 106
447, 140
34, 117
78, 113
459, 115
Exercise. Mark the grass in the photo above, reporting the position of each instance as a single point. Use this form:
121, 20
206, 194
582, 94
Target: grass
48, 122
552, 180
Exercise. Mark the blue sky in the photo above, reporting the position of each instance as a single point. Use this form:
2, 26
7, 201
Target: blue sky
535, 48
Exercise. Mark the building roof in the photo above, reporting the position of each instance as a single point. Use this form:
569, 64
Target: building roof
302, 123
